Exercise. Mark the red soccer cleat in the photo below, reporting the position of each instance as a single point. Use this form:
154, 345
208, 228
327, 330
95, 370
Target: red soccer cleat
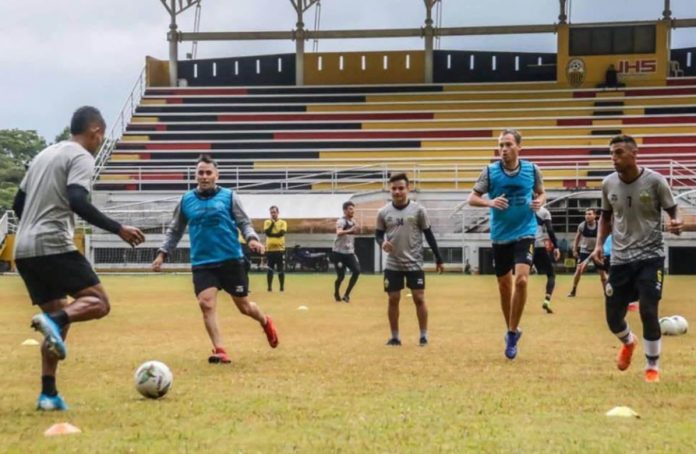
652, 375
219, 356
271, 333
623, 360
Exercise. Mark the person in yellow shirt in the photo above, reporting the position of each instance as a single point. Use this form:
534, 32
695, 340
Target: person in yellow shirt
275, 229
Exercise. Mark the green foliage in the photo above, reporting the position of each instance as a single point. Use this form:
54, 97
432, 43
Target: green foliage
64, 135
20, 145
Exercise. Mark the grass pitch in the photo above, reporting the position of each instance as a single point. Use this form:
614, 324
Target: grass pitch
333, 386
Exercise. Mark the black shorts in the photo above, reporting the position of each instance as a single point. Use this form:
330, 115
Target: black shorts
635, 281
230, 276
275, 259
343, 261
506, 256
53, 277
394, 280
543, 261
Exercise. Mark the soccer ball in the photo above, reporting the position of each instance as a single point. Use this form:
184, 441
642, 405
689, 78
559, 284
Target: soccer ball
153, 379
682, 326
668, 326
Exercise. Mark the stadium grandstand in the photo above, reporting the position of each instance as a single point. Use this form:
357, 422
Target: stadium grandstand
309, 130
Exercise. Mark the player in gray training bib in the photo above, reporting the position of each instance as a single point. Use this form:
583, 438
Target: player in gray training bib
583, 245
401, 225
633, 198
343, 254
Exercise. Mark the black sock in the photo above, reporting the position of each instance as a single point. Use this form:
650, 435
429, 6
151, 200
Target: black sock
48, 385
60, 318
281, 278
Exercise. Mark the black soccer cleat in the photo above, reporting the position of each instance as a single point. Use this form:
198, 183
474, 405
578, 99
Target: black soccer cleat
423, 342
394, 342
346, 299
337, 297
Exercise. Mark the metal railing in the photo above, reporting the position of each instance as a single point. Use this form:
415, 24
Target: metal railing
426, 174
119, 126
4, 226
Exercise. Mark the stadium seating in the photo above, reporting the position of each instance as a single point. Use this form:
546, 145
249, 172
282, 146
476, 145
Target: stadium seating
348, 137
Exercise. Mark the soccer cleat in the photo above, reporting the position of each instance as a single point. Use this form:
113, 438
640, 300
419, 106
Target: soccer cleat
571, 295
346, 299
50, 403
423, 342
623, 359
652, 376
271, 333
52, 336
547, 307
394, 342
219, 356
511, 339
337, 297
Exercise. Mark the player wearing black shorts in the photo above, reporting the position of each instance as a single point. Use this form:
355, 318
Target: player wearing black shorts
401, 225
275, 229
583, 245
543, 259
56, 185
343, 252
633, 198
213, 216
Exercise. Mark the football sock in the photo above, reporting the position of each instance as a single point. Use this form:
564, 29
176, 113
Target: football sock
395, 335
652, 352
60, 318
625, 336
48, 385
424, 333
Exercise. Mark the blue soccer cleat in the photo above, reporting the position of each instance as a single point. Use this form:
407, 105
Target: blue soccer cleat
51, 332
511, 339
48, 403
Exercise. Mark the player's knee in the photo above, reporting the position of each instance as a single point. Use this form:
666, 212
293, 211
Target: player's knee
244, 308
521, 280
394, 300
356, 273
206, 304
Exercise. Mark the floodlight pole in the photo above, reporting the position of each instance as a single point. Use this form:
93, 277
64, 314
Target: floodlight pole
562, 16
174, 8
299, 35
429, 35
666, 12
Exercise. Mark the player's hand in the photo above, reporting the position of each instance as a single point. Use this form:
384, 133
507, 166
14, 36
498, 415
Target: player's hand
556, 254
675, 226
131, 235
387, 246
597, 255
256, 246
499, 203
439, 267
536, 204
157, 263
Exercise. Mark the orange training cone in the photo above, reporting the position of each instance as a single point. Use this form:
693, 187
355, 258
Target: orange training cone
62, 428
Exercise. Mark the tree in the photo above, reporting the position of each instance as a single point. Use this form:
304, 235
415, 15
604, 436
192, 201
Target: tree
17, 148
20, 145
64, 135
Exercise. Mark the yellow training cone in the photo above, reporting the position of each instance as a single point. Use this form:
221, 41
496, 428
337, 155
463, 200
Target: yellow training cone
624, 412
63, 428
30, 342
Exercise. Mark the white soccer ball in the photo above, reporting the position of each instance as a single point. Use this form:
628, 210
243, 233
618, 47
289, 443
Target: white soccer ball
668, 326
682, 326
153, 379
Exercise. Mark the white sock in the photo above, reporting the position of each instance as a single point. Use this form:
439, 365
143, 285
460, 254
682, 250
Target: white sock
652, 352
626, 336
424, 333
395, 335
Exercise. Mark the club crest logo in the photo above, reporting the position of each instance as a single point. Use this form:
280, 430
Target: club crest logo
645, 197
575, 72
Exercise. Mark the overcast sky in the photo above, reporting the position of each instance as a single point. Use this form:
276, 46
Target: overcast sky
58, 55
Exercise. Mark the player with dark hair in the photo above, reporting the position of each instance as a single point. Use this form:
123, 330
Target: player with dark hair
583, 245
343, 253
633, 198
543, 259
401, 225
56, 185
275, 229
213, 215
515, 191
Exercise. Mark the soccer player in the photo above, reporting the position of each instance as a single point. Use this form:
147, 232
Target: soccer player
344, 252
543, 259
275, 229
583, 245
213, 215
633, 198
515, 191
401, 225
56, 185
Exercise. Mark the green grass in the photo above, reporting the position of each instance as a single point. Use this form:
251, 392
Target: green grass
332, 385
